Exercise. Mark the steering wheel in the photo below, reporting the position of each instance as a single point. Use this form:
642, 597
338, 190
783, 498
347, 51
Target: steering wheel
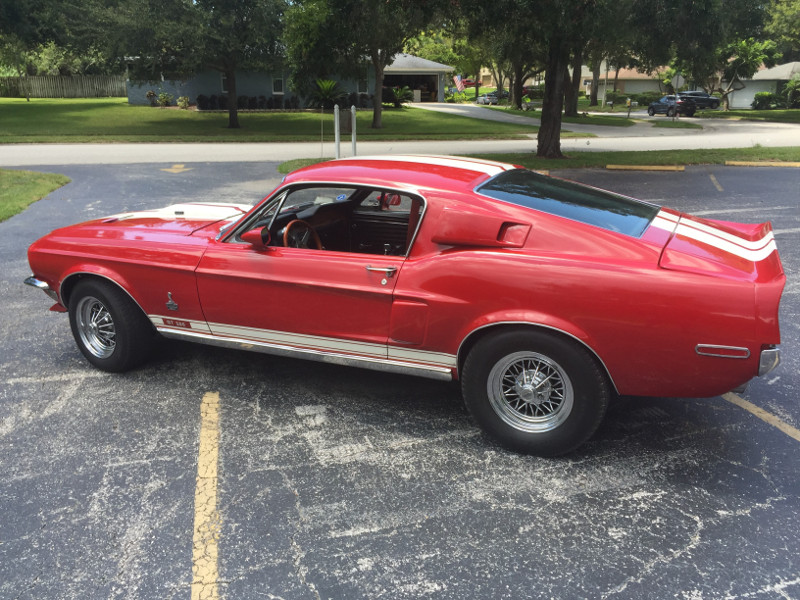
298, 234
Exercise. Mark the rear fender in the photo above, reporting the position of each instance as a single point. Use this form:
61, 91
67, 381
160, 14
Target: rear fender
556, 326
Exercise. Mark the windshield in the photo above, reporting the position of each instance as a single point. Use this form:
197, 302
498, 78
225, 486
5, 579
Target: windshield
571, 201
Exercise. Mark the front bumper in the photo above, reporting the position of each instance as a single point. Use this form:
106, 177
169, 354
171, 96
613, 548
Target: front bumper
42, 285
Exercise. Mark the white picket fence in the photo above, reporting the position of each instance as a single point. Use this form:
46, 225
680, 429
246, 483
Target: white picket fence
85, 86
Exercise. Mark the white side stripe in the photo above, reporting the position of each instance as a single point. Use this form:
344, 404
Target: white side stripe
302, 341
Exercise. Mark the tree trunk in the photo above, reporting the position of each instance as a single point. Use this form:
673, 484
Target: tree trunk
477, 85
233, 100
575, 86
595, 81
516, 93
549, 145
377, 103
570, 101
616, 78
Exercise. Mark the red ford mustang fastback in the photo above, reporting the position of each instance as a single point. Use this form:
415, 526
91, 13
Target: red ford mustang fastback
543, 297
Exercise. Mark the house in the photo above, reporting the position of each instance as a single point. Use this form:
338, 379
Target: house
628, 81
427, 78
767, 80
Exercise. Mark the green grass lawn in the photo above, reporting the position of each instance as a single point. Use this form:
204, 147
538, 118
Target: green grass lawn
790, 115
19, 189
578, 160
679, 124
114, 120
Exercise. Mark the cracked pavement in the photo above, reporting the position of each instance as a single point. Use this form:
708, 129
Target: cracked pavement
339, 483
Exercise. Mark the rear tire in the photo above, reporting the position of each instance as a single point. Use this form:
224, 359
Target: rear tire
109, 328
534, 392
670, 112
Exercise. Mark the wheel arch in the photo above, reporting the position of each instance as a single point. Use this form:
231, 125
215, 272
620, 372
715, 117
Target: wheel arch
493, 328
70, 281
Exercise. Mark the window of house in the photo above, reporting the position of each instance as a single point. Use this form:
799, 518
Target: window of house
225, 88
277, 85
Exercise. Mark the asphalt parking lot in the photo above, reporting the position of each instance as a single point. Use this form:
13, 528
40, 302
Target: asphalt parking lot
332, 482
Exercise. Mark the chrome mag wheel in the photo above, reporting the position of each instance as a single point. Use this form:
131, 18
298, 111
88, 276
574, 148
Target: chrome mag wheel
530, 392
96, 327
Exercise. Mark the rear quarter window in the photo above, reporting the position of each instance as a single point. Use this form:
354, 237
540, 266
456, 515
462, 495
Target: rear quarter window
571, 200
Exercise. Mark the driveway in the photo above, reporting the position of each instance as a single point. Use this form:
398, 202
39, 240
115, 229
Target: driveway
343, 483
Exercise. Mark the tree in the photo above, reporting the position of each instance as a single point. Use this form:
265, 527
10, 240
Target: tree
784, 26
238, 35
346, 33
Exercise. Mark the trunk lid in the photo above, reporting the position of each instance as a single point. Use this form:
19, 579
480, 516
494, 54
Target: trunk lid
719, 248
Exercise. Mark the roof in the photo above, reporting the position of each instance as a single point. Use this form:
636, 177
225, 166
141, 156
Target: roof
409, 171
409, 63
782, 72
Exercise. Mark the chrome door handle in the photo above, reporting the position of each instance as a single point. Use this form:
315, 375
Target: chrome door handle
388, 271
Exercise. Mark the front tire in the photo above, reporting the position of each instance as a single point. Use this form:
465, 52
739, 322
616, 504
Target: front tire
534, 392
109, 328
651, 111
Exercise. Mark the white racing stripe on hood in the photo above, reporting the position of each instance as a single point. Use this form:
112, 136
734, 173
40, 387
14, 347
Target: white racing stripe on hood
193, 211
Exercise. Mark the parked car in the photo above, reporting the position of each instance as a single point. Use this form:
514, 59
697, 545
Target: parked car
492, 97
701, 99
666, 105
468, 82
542, 296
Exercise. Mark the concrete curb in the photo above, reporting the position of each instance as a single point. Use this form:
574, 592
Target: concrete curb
645, 167
747, 163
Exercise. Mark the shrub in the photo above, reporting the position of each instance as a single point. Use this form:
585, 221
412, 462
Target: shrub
764, 101
203, 102
792, 92
327, 94
213, 102
401, 95
183, 102
165, 99
222, 101
152, 97
262, 102
241, 102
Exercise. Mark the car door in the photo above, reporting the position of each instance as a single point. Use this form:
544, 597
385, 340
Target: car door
319, 300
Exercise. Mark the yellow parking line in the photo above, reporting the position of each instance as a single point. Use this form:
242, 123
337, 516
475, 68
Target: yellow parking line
765, 416
205, 574
646, 167
716, 183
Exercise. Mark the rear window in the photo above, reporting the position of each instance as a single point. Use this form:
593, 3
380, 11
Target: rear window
571, 201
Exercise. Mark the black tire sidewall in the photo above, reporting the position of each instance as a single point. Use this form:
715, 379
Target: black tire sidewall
132, 331
590, 388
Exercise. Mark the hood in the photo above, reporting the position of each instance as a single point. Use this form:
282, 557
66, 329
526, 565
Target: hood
179, 218
720, 248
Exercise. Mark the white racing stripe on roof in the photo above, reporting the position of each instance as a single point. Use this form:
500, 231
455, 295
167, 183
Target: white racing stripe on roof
486, 167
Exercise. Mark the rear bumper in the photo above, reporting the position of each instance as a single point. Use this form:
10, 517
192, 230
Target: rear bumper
770, 358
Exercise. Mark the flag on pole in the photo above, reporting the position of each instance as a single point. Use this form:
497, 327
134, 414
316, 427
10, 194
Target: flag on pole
459, 83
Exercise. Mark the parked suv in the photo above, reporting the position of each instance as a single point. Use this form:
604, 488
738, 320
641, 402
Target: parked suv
701, 99
666, 105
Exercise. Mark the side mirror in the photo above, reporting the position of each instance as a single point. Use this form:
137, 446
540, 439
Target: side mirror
258, 238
